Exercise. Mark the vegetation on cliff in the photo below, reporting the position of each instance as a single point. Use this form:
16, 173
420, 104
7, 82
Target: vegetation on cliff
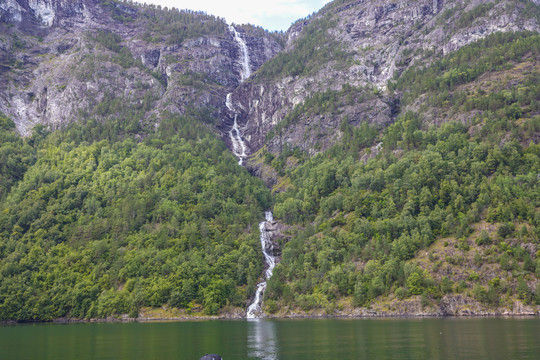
358, 225
312, 51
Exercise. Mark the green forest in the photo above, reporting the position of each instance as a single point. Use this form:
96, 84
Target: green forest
100, 228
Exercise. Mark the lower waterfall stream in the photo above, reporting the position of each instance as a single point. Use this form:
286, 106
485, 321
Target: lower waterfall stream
255, 308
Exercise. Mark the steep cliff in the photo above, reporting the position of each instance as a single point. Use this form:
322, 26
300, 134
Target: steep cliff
65, 60
350, 50
183, 61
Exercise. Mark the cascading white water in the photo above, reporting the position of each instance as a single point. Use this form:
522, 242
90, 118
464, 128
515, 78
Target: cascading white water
270, 261
246, 70
239, 147
239, 150
228, 102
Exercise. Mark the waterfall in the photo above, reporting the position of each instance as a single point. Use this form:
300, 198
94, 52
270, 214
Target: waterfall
244, 58
239, 150
269, 260
238, 144
239, 147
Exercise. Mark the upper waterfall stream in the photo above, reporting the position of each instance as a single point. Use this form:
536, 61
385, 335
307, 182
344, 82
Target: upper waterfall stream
244, 59
238, 145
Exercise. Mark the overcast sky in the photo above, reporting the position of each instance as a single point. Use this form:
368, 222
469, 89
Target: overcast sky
270, 14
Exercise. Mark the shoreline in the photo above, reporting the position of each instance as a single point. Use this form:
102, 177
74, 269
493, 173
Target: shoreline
272, 317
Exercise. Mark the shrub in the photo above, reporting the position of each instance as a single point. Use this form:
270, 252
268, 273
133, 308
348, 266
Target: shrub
523, 291
446, 285
480, 293
505, 229
401, 293
271, 306
461, 286
483, 239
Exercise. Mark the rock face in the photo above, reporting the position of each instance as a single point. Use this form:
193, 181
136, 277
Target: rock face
373, 42
276, 233
62, 60
36, 13
56, 65
449, 305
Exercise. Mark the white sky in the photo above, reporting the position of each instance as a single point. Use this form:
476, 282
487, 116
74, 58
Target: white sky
270, 14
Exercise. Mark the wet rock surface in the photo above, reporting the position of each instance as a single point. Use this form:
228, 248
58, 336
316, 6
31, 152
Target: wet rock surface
275, 231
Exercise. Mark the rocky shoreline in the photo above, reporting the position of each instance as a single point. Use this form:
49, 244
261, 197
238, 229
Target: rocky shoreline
456, 306
361, 314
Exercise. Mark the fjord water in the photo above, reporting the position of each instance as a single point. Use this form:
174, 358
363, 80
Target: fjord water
321, 339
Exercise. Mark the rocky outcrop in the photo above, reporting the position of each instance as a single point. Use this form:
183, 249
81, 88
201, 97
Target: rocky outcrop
449, 305
32, 14
276, 234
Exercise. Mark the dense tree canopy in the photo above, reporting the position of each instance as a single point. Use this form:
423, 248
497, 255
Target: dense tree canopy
102, 228
110, 214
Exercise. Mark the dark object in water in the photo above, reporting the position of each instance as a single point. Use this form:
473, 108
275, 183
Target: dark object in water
211, 357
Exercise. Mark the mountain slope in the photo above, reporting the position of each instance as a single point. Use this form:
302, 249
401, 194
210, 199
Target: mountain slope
398, 142
363, 45
106, 228
436, 219
121, 195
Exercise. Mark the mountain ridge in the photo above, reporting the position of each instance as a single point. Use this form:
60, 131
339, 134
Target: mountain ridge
374, 48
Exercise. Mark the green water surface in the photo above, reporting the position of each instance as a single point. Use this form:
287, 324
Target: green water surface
321, 339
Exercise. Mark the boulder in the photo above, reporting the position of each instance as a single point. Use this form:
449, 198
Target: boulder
211, 357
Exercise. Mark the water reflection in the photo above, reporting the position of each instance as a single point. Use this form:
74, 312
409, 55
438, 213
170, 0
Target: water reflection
262, 339
265, 339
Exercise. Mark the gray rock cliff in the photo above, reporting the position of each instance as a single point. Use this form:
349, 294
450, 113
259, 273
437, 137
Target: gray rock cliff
378, 40
53, 69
